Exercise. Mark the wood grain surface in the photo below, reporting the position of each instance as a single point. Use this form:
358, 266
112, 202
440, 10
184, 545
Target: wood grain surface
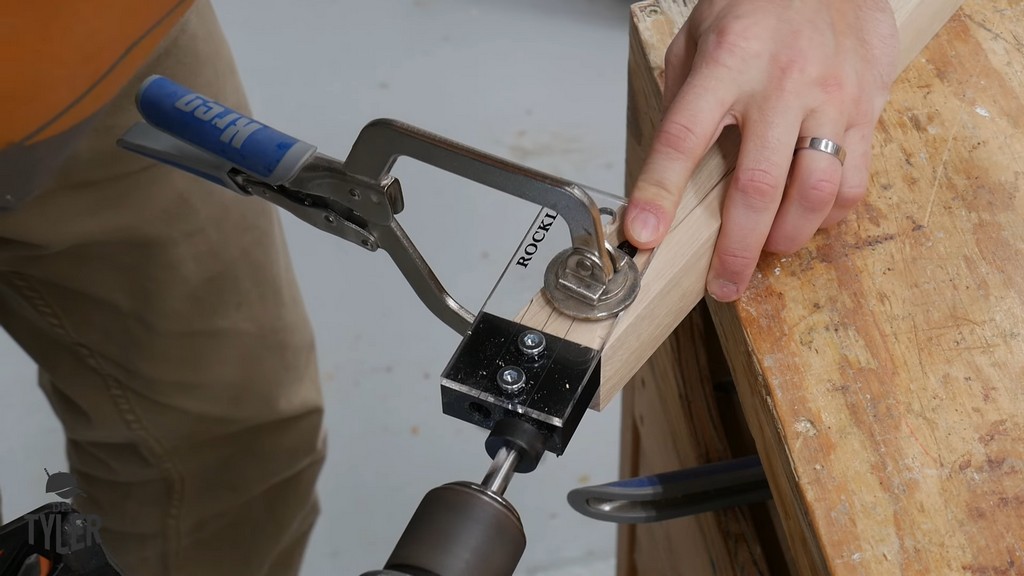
882, 368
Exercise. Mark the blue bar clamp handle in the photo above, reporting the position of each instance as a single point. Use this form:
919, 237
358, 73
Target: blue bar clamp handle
215, 137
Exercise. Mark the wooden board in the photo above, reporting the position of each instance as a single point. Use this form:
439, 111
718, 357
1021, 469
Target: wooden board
673, 281
882, 368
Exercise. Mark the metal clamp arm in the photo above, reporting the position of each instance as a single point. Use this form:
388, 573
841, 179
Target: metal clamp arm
383, 141
371, 224
591, 280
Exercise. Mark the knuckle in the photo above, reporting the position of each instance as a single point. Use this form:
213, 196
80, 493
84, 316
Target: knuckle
655, 190
727, 45
733, 262
758, 186
795, 76
819, 194
833, 88
790, 69
679, 138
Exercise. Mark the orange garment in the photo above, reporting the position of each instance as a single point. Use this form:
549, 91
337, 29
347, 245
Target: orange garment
63, 60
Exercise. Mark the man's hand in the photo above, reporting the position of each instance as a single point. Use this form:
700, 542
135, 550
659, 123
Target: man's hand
780, 70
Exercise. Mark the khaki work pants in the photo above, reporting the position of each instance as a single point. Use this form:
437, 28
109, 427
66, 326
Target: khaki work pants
173, 344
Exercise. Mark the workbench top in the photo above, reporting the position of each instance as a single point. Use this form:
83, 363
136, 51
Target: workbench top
889, 354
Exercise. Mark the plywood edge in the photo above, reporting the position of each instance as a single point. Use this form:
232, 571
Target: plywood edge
759, 412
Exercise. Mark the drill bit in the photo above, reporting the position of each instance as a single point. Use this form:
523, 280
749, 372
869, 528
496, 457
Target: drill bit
499, 475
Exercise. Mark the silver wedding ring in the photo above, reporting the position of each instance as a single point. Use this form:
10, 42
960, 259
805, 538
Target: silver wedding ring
822, 145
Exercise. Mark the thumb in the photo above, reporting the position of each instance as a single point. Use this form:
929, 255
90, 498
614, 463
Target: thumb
686, 133
647, 221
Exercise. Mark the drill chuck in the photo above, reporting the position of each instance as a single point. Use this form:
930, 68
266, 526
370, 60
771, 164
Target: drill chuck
466, 528
460, 529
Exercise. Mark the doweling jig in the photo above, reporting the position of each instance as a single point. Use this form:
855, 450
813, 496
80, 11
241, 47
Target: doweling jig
528, 386
526, 381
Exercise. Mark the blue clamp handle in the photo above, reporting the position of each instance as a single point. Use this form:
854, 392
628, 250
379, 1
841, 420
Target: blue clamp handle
256, 148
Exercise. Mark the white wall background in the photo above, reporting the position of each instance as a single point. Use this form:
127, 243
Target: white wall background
540, 82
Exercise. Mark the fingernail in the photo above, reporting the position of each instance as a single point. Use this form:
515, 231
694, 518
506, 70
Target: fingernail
723, 290
644, 225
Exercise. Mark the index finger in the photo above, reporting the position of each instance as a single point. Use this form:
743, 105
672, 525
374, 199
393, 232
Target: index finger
687, 130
